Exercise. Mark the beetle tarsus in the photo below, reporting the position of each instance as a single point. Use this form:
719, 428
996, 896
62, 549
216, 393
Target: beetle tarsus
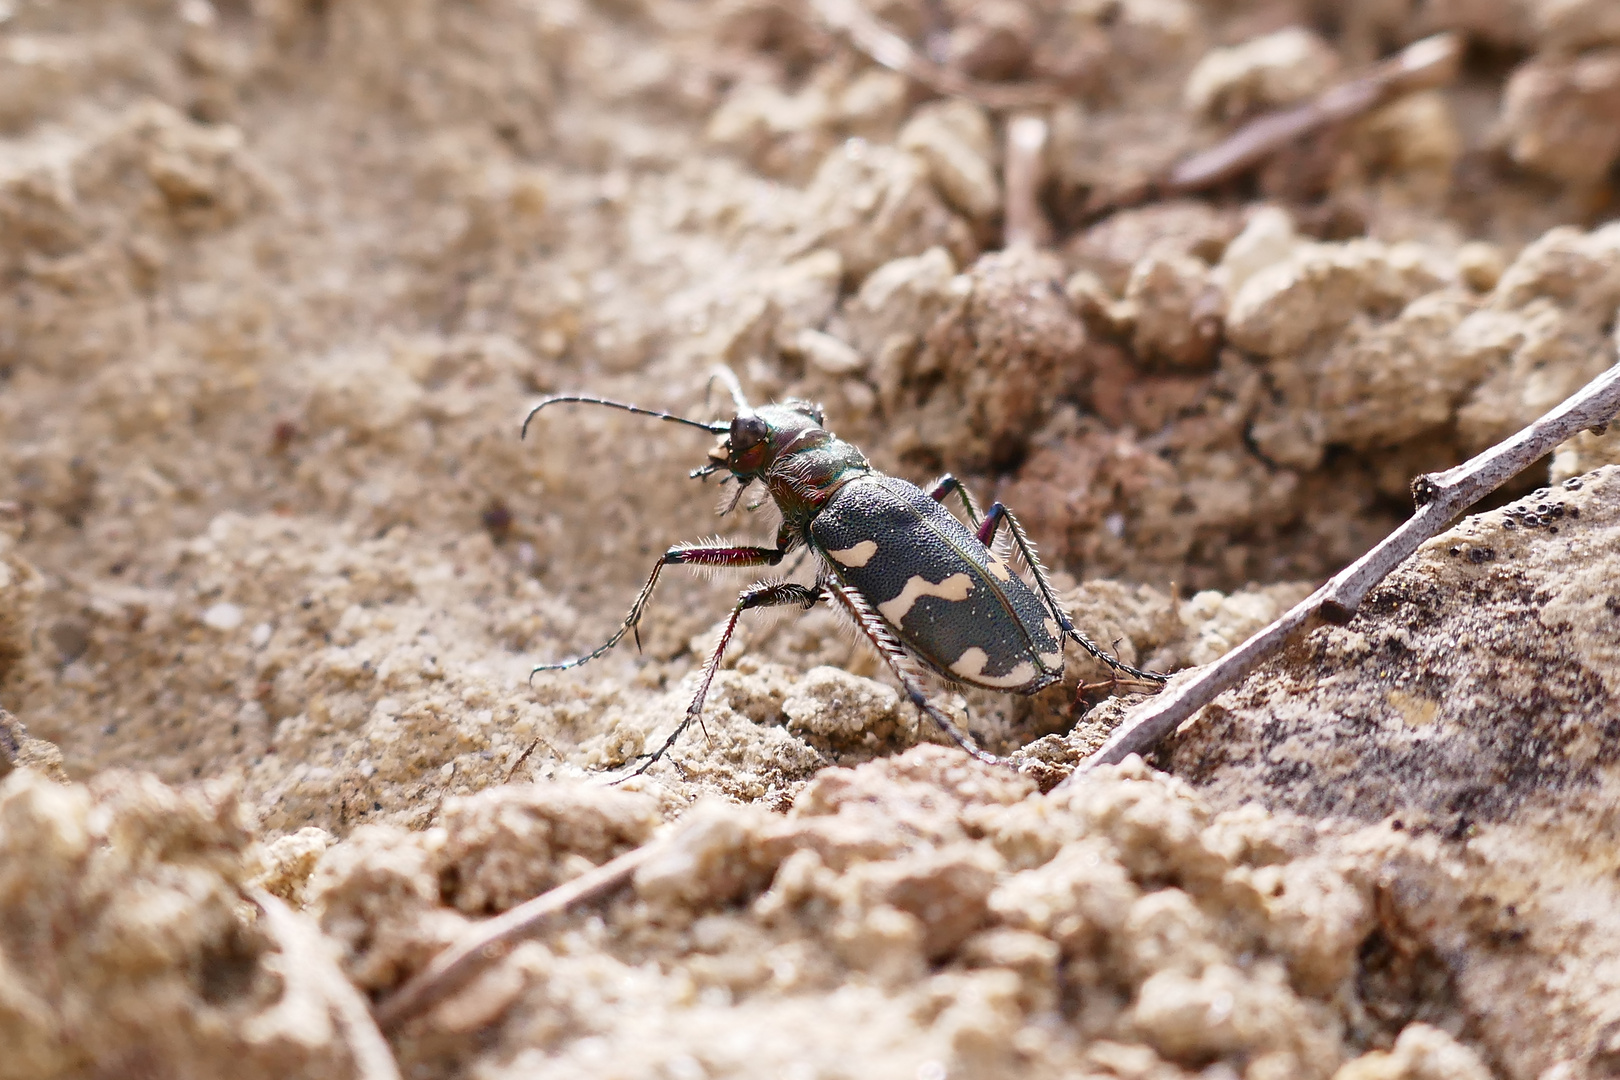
944, 723
758, 595
1072, 632
678, 554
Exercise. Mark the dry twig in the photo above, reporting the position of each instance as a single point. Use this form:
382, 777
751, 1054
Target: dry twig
307, 957
518, 764
1440, 498
892, 51
488, 941
1026, 154
1422, 65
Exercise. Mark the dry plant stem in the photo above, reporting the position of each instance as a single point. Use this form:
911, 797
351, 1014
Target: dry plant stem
1026, 150
308, 957
518, 764
488, 941
1422, 65
1440, 496
895, 53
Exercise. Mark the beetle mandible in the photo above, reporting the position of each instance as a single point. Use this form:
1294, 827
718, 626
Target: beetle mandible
923, 588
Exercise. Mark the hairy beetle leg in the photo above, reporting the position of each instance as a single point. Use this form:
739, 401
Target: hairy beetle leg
878, 633
993, 519
678, 555
948, 485
761, 594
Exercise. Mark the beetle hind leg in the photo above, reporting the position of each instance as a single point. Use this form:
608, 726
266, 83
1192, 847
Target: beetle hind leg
895, 656
993, 520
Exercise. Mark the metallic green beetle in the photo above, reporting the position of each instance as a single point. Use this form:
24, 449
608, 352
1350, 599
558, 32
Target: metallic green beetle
920, 585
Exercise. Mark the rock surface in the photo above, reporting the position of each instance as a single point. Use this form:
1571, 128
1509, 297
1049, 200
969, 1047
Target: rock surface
1470, 709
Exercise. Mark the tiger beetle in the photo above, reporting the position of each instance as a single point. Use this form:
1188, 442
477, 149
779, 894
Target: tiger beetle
925, 590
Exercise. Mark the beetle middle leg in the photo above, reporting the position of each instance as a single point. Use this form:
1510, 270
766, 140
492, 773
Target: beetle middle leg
716, 555
760, 594
993, 519
894, 654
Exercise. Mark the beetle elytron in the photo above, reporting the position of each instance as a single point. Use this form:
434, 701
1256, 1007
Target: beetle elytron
920, 586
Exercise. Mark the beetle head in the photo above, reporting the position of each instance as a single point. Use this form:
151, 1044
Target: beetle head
758, 437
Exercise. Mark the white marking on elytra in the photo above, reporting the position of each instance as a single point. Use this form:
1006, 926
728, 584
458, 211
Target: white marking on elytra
999, 568
970, 665
1053, 660
955, 587
1051, 627
856, 556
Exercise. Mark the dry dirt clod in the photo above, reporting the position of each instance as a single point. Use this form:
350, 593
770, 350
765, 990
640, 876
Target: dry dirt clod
1267, 72
982, 377
1555, 114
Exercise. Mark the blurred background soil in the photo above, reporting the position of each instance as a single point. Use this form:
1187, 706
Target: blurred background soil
281, 277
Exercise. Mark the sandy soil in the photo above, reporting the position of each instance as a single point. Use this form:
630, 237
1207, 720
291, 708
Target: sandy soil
282, 277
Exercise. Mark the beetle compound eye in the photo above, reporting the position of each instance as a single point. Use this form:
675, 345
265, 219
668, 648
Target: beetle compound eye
747, 432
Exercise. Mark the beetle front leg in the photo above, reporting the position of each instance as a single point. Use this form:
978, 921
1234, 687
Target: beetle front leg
761, 594
888, 647
718, 555
987, 533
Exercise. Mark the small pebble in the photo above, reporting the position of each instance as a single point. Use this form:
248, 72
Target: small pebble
223, 616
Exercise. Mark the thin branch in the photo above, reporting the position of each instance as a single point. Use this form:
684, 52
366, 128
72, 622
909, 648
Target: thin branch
894, 52
518, 764
1440, 497
487, 942
1422, 65
308, 956
1025, 160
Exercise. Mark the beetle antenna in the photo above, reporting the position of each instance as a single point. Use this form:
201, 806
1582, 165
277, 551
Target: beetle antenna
717, 427
733, 387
